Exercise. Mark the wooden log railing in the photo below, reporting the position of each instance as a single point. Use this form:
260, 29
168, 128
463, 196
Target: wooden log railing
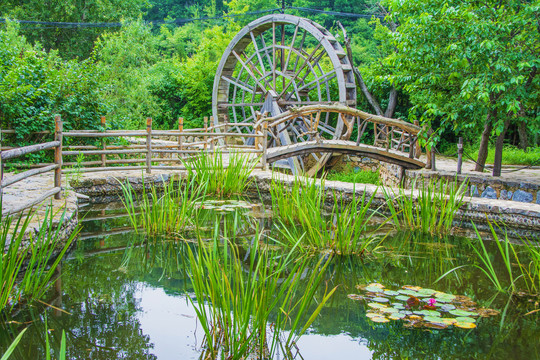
151, 154
14, 153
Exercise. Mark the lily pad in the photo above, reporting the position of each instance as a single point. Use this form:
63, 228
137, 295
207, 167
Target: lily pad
433, 319
465, 319
465, 325
380, 286
402, 298
372, 314
438, 326
379, 319
442, 295
447, 307
427, 291
487, 312
428, 313
459, 312
380, 299
449, 321
390, 310
376, 305
390, 293
411, 287
355, 297
398, 305
396, 316
374, 289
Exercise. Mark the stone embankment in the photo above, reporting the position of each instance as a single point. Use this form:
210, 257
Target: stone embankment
105, 186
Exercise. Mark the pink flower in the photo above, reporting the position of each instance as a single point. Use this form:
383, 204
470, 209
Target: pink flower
432, 302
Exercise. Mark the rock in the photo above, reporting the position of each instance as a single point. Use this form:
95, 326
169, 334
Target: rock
522, 196
489, 193
506, 194
538, 198
474, 191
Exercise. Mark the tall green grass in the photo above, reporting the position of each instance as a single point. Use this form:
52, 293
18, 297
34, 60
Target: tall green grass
167, 211
433, 211
357, 177
29, 260
519, 273
302, 215
218, 178
245, 306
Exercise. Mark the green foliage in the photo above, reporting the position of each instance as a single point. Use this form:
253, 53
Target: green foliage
166, 212
304, 223
431, 210
41, 256
70, 43
353, 176
35, 85
218, 176
237, 299
460, 60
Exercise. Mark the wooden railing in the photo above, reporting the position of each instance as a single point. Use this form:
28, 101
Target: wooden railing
56, 168
148, 153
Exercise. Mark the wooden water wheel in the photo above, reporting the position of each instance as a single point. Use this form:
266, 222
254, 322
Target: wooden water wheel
279, 62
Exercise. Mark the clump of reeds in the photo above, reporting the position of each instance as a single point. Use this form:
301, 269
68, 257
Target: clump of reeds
218, 177
433, 211
521, 274
29, 261
244, 306
301, 212
166, 211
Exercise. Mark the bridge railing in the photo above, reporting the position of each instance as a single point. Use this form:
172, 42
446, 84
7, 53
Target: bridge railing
390, 134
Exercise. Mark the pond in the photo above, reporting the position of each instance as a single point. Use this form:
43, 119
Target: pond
125, 296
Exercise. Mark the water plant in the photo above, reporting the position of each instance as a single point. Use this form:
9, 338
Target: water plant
302, 215
245, 306
434, 209
515, 270
221, 177
420, 307
164, 211
30, 258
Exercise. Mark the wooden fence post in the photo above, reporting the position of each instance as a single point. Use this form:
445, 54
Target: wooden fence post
180, 137
149, 145
212, 138
418, 148
226, 129
459, 155
58, 128
264, 144
205, 137
103, 146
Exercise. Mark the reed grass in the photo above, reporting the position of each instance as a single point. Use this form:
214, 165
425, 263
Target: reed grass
433, 211
218, 178
516, 271
244, 306
167, 211
30, 259
302, 215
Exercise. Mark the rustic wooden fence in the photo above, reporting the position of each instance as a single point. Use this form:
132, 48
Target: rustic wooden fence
131, 150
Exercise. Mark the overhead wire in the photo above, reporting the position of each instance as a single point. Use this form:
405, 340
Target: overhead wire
80, 25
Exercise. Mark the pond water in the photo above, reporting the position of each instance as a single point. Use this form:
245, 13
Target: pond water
122, 298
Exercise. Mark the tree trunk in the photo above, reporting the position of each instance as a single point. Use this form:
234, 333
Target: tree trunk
523, 138
497, 163
484, 143
392, 103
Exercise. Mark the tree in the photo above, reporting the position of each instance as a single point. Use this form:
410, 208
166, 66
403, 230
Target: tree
462, 60
70, 41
